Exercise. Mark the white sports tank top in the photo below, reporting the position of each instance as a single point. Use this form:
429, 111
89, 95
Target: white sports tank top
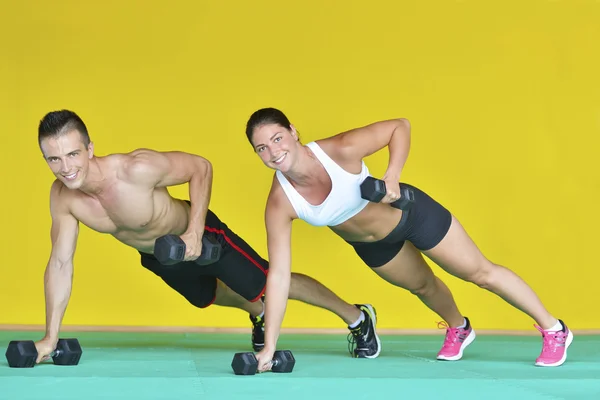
342, 203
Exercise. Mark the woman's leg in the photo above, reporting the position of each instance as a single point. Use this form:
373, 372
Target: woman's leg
409, 270
459, 256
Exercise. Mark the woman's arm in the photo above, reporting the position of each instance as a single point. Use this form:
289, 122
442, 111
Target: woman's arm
278, 221
359, 143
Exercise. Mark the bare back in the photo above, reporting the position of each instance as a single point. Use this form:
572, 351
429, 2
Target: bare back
134, 211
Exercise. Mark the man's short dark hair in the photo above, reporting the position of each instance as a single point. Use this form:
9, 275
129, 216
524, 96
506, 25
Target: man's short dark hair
60, 122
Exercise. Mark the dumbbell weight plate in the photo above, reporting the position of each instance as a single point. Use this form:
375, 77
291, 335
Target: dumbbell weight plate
21, 354
244, 364
68, 352
284, 361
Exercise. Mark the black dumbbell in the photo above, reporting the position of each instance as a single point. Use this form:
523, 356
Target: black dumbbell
247, 364
374, 190
170, 249
22, 353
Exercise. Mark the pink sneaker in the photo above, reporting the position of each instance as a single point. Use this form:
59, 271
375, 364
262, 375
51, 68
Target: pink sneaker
554, 349
457, 339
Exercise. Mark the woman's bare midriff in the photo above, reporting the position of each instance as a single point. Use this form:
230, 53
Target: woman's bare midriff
373, 223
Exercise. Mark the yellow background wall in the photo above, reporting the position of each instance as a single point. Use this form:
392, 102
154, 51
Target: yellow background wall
503, 98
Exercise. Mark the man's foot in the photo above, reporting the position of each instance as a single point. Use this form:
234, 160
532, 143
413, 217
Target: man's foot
258, 333
363, 340
258, 329
554, 348
457, 339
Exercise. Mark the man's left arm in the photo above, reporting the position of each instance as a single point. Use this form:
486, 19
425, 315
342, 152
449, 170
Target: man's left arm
173, 168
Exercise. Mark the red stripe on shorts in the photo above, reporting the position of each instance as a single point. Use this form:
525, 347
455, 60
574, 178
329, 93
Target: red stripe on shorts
242, 252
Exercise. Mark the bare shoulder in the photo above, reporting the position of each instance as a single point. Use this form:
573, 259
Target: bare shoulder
56, 190
139, 157
142, 154
277, 196
332, 145
338, 147
61, 198
340, 151
136, 164
355, 144
278, 205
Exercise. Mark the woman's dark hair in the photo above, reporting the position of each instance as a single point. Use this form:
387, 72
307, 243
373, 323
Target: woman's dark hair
266, 116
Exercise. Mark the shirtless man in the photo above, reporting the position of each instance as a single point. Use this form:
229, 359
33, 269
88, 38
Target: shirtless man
125, 195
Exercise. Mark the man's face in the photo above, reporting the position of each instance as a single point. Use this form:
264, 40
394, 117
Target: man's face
68, 157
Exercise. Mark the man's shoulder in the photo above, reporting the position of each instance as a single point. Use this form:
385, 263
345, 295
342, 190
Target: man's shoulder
61, 197
116, 160
57, 188
125, 165
134, 163
141, 153
139, 156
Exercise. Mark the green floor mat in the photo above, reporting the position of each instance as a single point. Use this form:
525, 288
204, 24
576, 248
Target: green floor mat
185, 366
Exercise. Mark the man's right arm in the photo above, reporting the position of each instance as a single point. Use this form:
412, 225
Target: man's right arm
59, 271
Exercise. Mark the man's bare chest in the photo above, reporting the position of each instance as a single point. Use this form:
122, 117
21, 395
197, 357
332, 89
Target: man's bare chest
116, 210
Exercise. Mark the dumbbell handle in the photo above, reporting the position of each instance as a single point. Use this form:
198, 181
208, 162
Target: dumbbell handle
407, 197
163, 250
275, 362
377, 186
55, 353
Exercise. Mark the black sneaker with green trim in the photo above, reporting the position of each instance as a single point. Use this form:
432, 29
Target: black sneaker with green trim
363, 341
258, 333
258, 330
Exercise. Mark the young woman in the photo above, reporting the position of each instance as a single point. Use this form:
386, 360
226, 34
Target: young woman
320, 183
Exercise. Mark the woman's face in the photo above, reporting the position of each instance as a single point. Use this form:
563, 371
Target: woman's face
275, 145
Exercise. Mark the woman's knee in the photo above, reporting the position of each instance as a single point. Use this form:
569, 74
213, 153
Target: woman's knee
409, 271
425, 287
484, 275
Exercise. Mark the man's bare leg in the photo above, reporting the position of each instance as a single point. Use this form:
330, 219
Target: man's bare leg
226, 297
310, 291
